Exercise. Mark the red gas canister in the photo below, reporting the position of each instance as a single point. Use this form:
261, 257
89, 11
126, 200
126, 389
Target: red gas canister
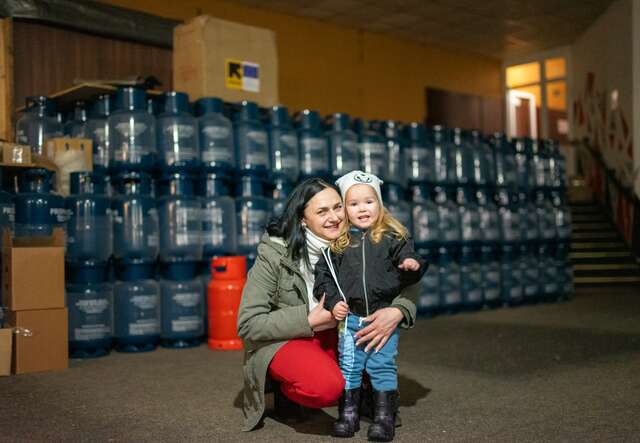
228, 275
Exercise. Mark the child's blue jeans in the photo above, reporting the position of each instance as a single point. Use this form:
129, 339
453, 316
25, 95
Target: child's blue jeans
381, 365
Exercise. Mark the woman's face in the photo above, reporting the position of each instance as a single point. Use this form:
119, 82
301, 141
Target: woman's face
324, 214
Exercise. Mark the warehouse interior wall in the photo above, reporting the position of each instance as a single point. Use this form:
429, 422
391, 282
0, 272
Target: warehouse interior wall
603, 85
337, 69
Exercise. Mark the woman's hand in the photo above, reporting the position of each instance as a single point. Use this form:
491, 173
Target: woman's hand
382, 324
319, 317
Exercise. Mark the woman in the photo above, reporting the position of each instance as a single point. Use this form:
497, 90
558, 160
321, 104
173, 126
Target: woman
287, 333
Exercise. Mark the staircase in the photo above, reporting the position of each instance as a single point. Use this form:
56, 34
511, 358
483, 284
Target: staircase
598, 253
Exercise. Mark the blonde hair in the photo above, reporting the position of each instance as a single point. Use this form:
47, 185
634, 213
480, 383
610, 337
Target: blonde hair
384, 224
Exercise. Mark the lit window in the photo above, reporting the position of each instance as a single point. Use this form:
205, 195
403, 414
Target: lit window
555, 68
526, 74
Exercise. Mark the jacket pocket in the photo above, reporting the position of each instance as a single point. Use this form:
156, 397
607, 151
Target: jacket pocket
287, 293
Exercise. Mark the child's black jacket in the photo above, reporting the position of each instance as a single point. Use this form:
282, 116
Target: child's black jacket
371, 284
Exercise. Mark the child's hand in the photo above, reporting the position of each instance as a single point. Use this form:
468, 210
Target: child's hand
409, 264
340, 310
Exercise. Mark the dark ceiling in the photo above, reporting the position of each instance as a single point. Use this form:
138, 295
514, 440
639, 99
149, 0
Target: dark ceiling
497, 28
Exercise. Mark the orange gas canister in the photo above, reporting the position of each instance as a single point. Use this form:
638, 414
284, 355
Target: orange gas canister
228, 275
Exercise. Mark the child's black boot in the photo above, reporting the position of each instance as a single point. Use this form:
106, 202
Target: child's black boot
348, 422
384, 416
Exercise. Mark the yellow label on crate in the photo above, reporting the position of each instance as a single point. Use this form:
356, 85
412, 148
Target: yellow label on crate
233, 74
242, 75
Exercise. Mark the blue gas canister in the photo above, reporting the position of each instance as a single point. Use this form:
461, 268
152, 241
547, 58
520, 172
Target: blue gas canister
252, 213
135, 219
505, 161
511, 289
449, 280
344, 154
531, 280
558, 167
490, 271
426, 224
90, 225
37, 208
478, 167
132, 133
373, 153
89, 299
396, 163
508, 216
38, 124
448, 218
469, 213
252, 143
283, 145
486, 160
395, 203
419, 155
97, 129
548, 269
470, 279
314, 152
136, 309
546, 215
429, 301
218, 218
215, 136
177, 135
462, 167
523, 162
562, 215
279, 194
180, 220
528, 217
182, 312
488, 215
442, 156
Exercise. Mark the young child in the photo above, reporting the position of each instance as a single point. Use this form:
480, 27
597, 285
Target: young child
365, 269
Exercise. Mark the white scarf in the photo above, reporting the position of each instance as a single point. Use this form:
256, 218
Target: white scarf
315, 245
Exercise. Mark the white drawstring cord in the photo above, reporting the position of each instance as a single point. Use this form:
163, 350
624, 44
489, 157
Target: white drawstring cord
327, 258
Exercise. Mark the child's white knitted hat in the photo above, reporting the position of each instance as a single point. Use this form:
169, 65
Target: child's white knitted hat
359, 178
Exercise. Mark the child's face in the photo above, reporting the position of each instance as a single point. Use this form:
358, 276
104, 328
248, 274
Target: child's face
363, 206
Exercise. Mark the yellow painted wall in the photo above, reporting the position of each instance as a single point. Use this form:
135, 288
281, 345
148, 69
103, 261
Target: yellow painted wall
338, 69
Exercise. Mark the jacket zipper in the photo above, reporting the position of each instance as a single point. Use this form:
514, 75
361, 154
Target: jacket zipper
364, 280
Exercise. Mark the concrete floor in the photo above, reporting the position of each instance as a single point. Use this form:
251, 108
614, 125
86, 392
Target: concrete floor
554, 372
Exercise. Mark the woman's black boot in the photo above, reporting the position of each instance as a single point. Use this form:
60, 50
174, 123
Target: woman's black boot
384, 416
348, 422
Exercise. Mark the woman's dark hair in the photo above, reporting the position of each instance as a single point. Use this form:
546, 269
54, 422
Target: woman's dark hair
288, 225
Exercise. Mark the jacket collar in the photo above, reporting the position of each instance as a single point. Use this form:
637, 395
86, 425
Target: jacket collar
279, 245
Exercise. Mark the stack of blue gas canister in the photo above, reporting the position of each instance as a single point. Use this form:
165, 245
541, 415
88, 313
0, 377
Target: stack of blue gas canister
89, 293
490, 216
176, 184
180, 223
133, 153
253, 167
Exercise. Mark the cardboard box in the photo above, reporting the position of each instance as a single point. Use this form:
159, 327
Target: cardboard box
15, 155
6, 344
69, 155
213, 57
41, 340
33, 272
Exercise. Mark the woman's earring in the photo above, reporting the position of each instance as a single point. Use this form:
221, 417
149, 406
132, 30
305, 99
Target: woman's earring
303, 224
